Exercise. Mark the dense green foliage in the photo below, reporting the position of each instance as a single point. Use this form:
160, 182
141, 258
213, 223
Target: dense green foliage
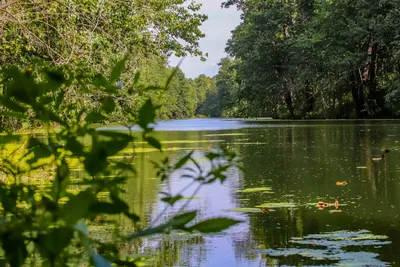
91, 36
48, 225
312, 58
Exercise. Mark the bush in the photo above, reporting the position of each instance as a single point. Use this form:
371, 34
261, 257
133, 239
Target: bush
50, 227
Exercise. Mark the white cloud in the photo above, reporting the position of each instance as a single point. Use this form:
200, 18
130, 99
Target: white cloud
218, 29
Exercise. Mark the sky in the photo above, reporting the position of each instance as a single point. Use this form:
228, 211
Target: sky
217, 29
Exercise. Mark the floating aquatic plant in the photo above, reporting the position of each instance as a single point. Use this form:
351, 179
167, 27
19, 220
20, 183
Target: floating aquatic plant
256, 189
246, 210
277, 205
335, 243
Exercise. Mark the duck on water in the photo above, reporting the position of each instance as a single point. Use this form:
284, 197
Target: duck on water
382, 156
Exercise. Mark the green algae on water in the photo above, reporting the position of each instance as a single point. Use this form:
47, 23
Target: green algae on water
277, 205
245, 210
256, 189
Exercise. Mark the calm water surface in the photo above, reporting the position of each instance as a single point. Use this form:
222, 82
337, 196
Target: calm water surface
301, 161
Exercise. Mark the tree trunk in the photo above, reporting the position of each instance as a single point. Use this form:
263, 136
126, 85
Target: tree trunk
309, 97
357, 93
372, 66
289, 102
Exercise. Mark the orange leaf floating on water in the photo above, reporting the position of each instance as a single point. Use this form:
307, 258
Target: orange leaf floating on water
341, 183
321, 205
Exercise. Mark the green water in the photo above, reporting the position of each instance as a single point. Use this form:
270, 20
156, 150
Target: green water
292, 166
299, 164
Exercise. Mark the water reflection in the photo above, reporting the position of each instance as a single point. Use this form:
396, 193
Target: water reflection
300, 163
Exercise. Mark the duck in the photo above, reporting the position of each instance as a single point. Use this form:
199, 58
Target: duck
382, 155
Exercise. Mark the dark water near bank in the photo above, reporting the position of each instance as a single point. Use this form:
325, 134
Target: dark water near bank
301, 161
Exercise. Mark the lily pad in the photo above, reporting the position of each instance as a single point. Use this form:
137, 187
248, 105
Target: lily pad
335, 244
255, 189
245, 209
277, 205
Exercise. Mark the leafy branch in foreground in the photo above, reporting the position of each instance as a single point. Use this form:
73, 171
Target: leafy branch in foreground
48, 226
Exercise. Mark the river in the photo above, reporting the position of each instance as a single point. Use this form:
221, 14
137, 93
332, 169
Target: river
292, 165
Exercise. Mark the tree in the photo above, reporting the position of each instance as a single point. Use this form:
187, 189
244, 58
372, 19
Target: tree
319, 58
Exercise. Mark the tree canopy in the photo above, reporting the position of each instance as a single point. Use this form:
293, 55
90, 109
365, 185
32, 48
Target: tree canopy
309, 58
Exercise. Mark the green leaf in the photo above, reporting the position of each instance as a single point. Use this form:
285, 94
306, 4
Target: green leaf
108, 105
179, 221
125, 167
147, 114
116, 135
75, 147
169, 80
12, 105
214, 225
154, 143
39, 149
183, 161
17, 115
61, 180
15, 251
77, 207
212, 155
99, 80
118, 69
135, 218
100, 261
114, 146
56, 76
107, 208
48, 115
59, 99
95, 116
136, 78
96, 160
171, 200
54, 242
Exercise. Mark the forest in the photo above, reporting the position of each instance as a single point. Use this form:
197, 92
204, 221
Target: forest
312, 59
287, 59
92, 36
